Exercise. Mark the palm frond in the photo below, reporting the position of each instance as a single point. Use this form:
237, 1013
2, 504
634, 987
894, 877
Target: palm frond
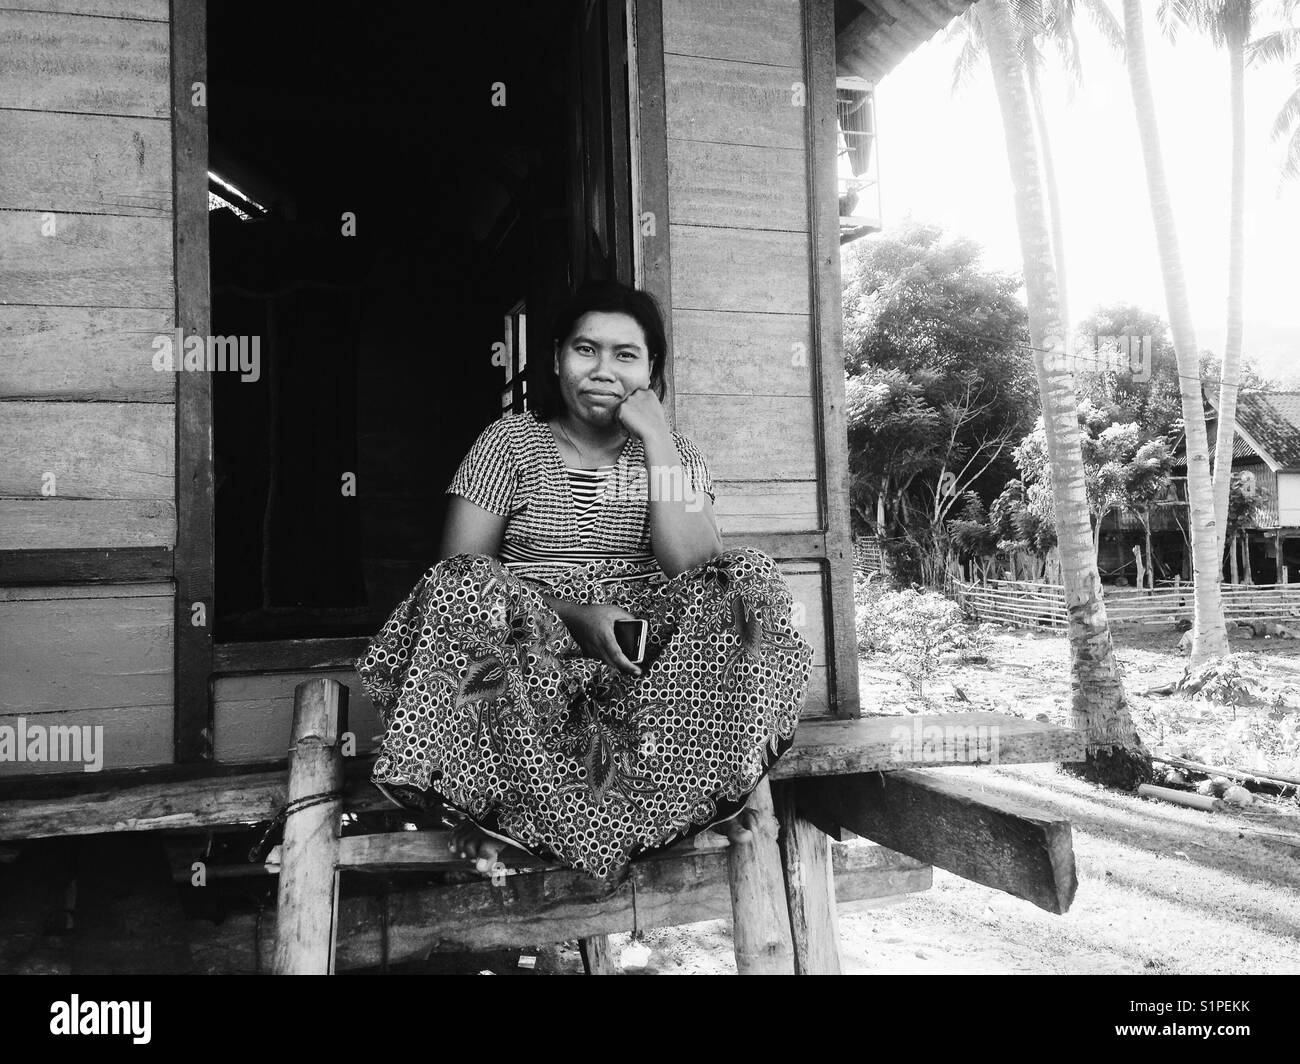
1030, 57
1106, 24
1028, 17
1274, 46
966, 24
1291, 164
1288, 118
1173, 15
967, 62
1067, 45
967, 28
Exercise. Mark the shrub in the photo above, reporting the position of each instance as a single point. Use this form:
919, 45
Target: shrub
912, 628
867, 592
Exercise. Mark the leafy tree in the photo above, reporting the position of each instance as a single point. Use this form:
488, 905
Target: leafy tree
1253, 377
1149, 397
938, 387
972, 533
1122, 470
1021, 517
1247, 504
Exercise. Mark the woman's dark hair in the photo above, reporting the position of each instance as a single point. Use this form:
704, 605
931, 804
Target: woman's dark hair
611, 297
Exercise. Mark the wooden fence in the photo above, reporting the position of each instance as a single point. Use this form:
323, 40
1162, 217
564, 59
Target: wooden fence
1026, 604
866, 554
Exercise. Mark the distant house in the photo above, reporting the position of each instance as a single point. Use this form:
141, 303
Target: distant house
1267, 444
1267, 448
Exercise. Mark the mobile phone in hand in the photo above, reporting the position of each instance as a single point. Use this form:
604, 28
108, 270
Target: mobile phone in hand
631, 637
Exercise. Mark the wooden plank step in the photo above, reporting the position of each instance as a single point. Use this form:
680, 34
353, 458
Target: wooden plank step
953, 824
821, 748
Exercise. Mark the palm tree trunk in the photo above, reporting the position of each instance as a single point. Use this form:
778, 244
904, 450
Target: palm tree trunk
1209, 637
1053, 193
1230, 375
1098, 707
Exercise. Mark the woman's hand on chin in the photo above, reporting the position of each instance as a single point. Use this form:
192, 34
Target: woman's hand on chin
592, 626
643, 415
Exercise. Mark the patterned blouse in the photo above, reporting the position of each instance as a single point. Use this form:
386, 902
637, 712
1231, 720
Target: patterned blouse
560, 516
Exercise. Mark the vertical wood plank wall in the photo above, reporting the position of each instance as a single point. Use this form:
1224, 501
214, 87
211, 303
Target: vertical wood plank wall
745, 333
86, 283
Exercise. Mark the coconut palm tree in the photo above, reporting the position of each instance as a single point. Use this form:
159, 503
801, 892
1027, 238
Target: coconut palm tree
1283, 44
1228, 25
1209, 635
1037, 23
1098, 708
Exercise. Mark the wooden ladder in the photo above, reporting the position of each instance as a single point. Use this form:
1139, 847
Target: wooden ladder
780, 885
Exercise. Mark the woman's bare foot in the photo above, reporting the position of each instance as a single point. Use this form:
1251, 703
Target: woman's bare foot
470, 841
740, 828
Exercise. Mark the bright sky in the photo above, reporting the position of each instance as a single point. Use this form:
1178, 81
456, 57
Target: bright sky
943, 159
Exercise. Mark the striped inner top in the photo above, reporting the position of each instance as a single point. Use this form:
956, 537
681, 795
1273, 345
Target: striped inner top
587, 486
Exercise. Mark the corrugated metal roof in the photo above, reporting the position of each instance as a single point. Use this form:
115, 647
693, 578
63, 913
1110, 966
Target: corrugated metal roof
874, 36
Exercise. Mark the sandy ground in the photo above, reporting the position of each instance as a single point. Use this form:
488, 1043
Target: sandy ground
1162, 889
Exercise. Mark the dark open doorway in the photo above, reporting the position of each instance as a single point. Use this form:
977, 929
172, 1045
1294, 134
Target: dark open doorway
419, 185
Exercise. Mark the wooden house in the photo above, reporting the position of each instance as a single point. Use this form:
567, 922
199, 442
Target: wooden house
377, 211
1266, 450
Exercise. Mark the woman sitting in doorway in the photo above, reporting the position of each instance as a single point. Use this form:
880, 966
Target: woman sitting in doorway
503, 692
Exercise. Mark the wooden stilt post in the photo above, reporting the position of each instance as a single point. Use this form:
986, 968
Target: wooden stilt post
761, 918
596, 956
308, 898
809, 889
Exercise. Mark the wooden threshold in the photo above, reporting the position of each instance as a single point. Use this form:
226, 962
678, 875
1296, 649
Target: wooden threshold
289, 655
821, 748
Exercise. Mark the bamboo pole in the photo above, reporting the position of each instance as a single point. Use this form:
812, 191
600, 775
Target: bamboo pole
761, 918
1244, 775
307, 901
1191, 801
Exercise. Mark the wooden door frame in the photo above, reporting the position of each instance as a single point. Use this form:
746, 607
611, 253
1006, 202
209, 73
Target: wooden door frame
652, 261
193, 558
827, 311
646, 151
198, 658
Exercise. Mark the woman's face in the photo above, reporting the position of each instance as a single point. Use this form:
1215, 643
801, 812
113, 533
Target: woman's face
604, 358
